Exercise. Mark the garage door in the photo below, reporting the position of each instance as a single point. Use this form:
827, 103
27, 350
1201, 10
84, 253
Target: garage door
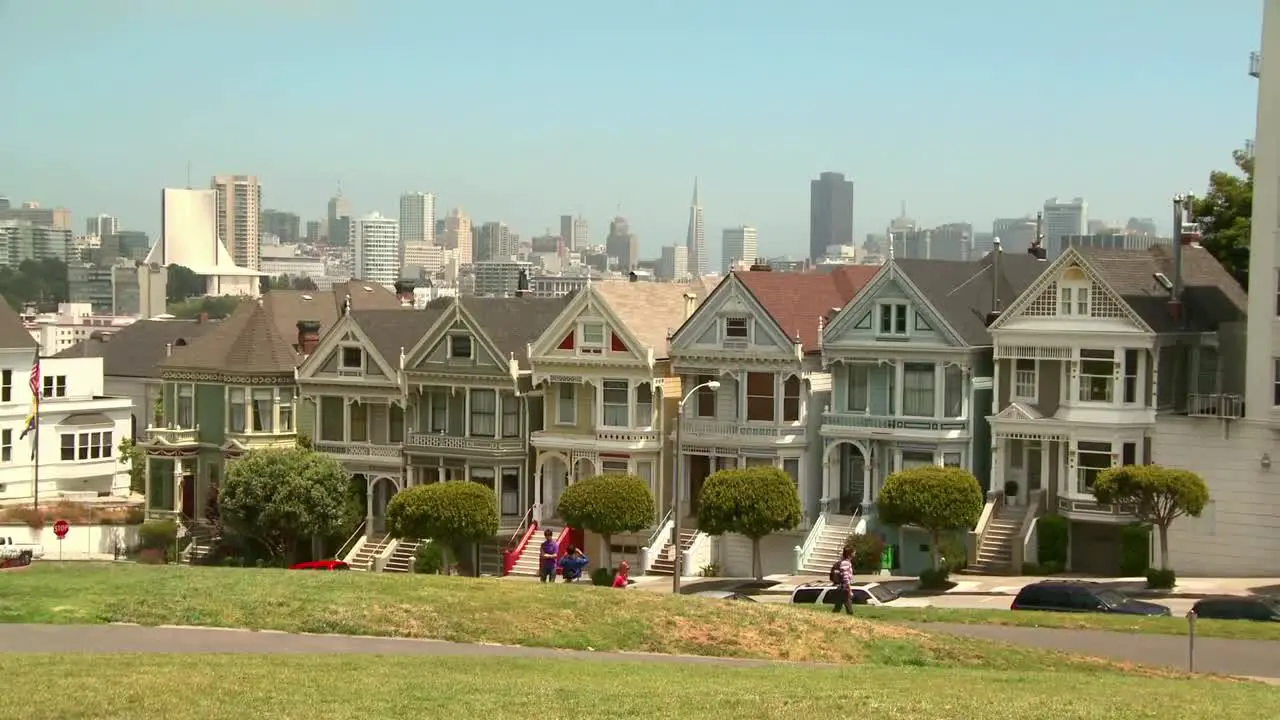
1095, 548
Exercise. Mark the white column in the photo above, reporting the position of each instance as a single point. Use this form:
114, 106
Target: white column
146, 474
995, 393
939, 388
998, 445
497, 421
368, 512
346, 419
899, 373
319, 417
777, 398
177, 485
466, 412
1155, 376
826, 476
867, 479
632, 420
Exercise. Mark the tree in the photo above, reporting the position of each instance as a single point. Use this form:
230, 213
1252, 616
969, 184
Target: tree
1158, 495
754, 502
37, 282
278, 497
608, 505
1225, 214
453, 514
292, 282
215, 307
183, 284
936, 499
133, 456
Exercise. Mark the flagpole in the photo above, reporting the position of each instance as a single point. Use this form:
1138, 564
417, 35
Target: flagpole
35, 466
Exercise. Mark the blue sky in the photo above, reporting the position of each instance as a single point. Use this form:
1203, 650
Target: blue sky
521, 111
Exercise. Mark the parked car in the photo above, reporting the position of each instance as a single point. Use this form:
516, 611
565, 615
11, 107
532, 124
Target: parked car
724, 595
1069, 596
321, 565
1248, 607
16, 554
821, 593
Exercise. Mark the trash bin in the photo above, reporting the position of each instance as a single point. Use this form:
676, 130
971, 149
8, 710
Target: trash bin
889, 557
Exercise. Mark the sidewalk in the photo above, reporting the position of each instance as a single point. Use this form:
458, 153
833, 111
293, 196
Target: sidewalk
1186, 587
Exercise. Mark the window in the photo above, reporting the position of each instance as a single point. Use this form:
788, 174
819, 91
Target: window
1026, 381
186, 411
859, 387
1131, 376
484, 408
483, 475
735, 328
915, 459
613, 467
331, 419
286, 409
1097, 368
460, 347
1064, 301
510, 416
55, 386
264, 401
359, 428
566, 404
951, 459
351, 358
615, 401
644, 405
437, 411
760, 387
591, 338
6, 385
952, 391
791, 466
1082, 302
1129, 454
791, 399
395, 423
893, 319
86, 445
1275, 382
1074, 293
235, 409
644, 471
917, 389
1091, 459
510, 491
706, 400
6, 445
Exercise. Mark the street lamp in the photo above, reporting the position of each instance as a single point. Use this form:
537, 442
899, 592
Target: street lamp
676, 486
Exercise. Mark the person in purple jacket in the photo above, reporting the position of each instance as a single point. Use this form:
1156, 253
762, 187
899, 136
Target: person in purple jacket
547, 557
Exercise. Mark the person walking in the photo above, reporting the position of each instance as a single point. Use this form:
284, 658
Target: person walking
548, 556
843, 570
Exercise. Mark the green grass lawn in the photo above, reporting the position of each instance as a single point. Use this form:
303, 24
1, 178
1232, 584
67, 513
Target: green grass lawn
283, 687
1233, 629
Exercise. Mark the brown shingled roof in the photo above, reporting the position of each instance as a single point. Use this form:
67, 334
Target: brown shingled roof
13, 334
651, 311
247, 343
795, 300
1211, 295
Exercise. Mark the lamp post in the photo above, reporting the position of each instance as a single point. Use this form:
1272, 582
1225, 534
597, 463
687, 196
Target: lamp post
676, 486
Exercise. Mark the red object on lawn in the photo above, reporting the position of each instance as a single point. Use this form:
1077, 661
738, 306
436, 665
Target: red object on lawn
321, 565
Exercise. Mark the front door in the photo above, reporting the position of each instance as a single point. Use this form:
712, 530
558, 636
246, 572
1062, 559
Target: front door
189, 494
1031, 470
699, 469
852, 478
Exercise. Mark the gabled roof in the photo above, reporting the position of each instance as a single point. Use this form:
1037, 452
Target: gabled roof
1211, 295
247, 343
651, 311
13, 334
390, 331
961, 292
325, 306
511, 323
136, 350
795, 300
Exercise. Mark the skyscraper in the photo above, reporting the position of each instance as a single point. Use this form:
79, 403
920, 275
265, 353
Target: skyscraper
622, 244
493, 242
674, 265
580, 237
102, 226
418, 218
239, 200
737, 245
1064, 218
375, 242
695, 241
337, 228
830, 213
457, 236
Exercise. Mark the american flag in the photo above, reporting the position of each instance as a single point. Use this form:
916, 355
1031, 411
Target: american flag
35, 380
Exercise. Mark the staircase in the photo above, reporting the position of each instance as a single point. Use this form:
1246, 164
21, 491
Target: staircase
665, 563
202, 543
402, 555
530, 560
371, 549
829, 545
995, 554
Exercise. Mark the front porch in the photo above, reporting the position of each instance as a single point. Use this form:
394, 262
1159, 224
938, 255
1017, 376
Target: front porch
555, 469
697, 463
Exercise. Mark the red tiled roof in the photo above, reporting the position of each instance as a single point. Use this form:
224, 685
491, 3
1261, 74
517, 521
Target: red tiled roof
796, 300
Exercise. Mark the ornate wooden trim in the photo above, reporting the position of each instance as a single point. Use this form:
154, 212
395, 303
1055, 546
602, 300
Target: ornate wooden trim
226, 377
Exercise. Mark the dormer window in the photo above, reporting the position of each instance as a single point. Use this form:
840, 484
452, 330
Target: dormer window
735, 329
893, 319
460, 347
1074, 293
351, 358
591, 338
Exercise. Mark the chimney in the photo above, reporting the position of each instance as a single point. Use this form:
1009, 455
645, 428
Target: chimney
1037, 249
690, 304
168, 349
308, 336
1175, 293
204, 318
996, 251
761, 265
632, 277
522, 283
404, 291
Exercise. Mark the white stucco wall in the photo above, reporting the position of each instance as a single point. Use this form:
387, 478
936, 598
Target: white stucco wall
777, 554
83, 542
1238, 535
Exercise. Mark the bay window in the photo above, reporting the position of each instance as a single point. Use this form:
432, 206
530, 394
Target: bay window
1131, 376
437, 411
616, 406
915, 458
186, 407
331, 418
484, 413
706, 400
566, 404
791, 399
613, 467
263, 409
760, 389
952, 392
235, 409
286, 409
1097, 368
859, 390
358, 427
1025, 380
1091, 459
917, 389
395, 423
510, 416
644, 405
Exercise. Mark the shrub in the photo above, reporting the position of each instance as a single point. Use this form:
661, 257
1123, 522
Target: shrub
602, 576
753, 502
608, 505
1135, 549
453, 514
955, 555
152, 556
429, 559
710, 570
867, 549
937, 499
934, 579
1051, 533
158, 535
1158, 579
1045, 568
29, 516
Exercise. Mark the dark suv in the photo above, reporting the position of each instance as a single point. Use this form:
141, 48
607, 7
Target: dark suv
1059, 596
1238, 608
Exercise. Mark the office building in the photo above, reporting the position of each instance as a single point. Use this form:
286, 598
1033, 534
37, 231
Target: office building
500, 278
313, 232
31, 212
737, 246
458, 237
1064, 218
122, 288
695, 239
337, 226
102, 225
950, 241
1016, 234
375, 242
418, 218
624, 247
285, 225
239, 199
132, 245
830, 213
493, 243
23, 240
674, 264
1112, 241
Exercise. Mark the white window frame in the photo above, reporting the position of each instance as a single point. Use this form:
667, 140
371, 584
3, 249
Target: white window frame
1024, 379
774, 399
585, 345
88, 445
494, 416
615, 466
852, 394
934, 389
55, 389
952, 458
899, 317
471, 346
508, 412
902, 453
798, 398
1075, 296
6, 386
437, 402
644, 411
286, 411
183, 391
6, 445
745, 337
607, 386
572, 390
1110, 377
243, 404
1080, 487
342, 358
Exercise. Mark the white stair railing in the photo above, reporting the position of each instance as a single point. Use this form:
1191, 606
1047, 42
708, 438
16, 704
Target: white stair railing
380, 560
802, 551
696, 557
658, 540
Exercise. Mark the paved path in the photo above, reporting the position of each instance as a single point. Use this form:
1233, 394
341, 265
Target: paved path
1257, 658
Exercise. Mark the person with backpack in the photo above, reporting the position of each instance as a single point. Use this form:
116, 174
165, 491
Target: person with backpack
842, 577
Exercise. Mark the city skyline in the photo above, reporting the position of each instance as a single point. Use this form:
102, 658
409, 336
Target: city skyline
754, 166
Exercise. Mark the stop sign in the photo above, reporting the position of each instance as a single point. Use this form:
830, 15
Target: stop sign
61, 528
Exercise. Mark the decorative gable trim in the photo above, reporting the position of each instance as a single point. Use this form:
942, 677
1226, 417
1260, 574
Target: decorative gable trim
732, 298
347, 330
859, 314
1041, 299
431, 336
562, 333
1018, 411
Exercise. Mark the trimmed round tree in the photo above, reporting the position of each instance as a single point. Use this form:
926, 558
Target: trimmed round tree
1158, 495
935, 499
454, 515
754, 502
607, 505
278, 497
